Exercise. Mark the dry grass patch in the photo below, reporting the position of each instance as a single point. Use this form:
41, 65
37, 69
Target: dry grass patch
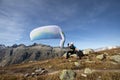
100, 76
11, 77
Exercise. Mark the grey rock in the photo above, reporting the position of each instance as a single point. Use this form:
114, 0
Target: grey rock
33, 74
101, 56
77, 64
41, 71
114, 63
88, 71
84, 75
67, 75
64, 55
88, 51
71, 55
115, 58
74, 56
38, 70
27, 75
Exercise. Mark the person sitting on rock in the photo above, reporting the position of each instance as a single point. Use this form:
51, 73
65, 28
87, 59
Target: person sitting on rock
73, 50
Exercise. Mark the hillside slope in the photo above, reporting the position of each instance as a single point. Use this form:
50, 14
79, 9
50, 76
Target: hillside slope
105, 68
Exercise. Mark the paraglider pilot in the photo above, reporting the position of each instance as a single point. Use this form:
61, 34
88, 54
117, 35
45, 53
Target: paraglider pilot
73, 50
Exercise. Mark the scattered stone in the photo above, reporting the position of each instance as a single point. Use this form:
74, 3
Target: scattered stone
88, 71
77, 64
99, 78
32, 74
88, 51
115, 58
27, 75
101, 57
67, 75
39, 69
84, 75
30, 61
104, 68
43, 72
70, 60
71, 55
50, 66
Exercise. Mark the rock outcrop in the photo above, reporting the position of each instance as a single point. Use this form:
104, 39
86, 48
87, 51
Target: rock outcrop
101, 56
88, 51
72, 55
115, 58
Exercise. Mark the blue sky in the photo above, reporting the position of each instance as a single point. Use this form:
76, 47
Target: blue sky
87, 23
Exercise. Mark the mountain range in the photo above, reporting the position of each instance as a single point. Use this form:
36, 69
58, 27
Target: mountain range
16, 54
106, 48
20, 53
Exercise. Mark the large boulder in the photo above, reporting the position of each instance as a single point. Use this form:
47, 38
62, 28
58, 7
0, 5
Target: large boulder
71, 55
74, 56
115, 58
67, 75
101, 56
77, 54
88, 51
64, 55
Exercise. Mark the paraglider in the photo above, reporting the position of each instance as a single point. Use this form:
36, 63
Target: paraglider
48, 32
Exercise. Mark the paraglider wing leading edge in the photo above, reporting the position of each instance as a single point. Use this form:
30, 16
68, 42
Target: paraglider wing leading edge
48, 32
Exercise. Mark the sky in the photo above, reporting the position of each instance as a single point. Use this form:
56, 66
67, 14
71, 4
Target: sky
87, 23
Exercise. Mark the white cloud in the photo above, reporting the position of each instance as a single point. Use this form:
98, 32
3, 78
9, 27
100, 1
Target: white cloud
10, 31
10, 28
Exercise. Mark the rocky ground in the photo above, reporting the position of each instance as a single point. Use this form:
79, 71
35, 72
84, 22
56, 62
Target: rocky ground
102, 65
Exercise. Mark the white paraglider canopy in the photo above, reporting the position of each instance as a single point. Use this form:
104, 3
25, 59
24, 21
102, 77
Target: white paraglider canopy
48, 32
